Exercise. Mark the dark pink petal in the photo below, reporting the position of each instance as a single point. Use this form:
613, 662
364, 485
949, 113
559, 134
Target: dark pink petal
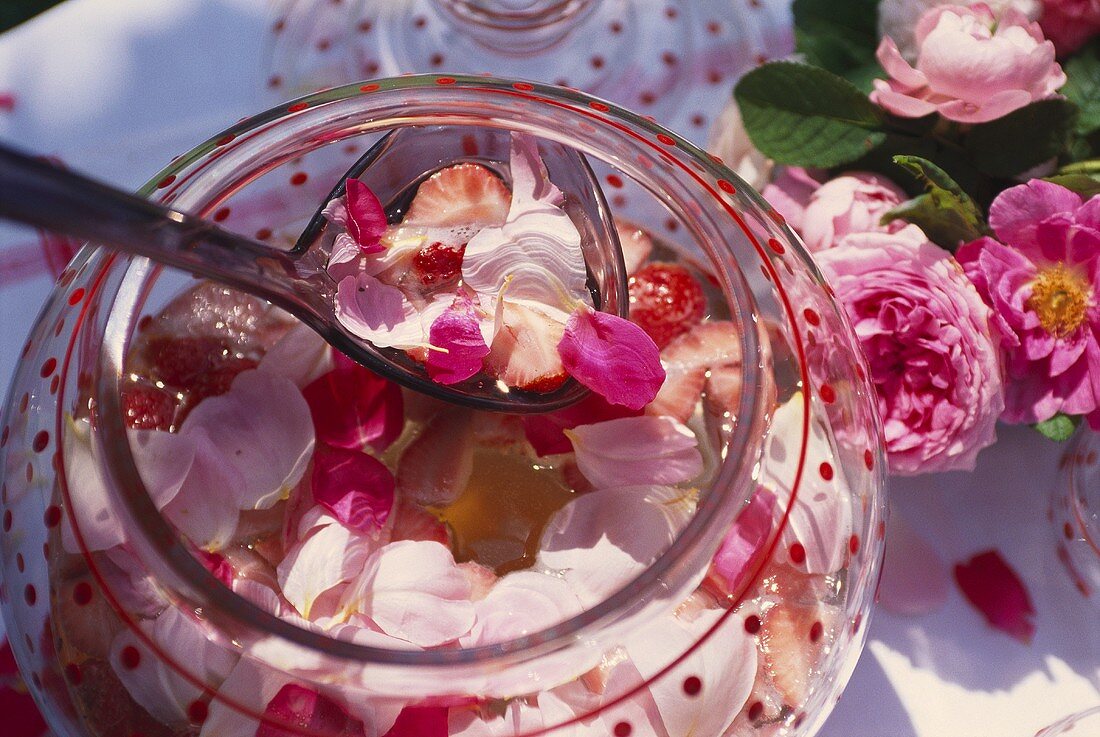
217, 564
741, 549
21, 715
295, 709
355, 487
351, 407
420, 721
996, 591
366, 218
611, 356
546, 432
458, 331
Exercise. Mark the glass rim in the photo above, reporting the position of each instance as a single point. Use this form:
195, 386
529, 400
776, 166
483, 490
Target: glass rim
735, 477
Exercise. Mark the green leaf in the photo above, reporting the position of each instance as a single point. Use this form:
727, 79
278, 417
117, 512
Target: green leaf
1083, 184
1022, 139
1059, 428
801, 115
840, 37
946, 214
1083, 87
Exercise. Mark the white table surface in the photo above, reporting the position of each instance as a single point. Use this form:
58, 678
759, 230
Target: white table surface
118, 87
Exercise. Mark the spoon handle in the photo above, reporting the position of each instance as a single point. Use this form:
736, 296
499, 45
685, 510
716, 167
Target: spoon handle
36, 192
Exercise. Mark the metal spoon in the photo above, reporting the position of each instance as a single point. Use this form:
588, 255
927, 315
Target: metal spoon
38, 193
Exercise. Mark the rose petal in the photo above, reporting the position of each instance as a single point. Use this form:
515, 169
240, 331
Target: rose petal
520, 604
263, 433
537, 252
357, 489
636, 450
415, 592
611, 356
435, 468
352, 407
328, 555
741, 548
218, 566
914, 577
546, 433
366, 218
725, 664
380, 313
995, 590
420, 721
154, 684
458, 332
821, 517
301, 355
295, 708
602, 540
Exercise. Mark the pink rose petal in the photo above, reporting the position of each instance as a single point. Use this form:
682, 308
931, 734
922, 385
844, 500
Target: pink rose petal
636, 450
413, 591
295, 708
611, 356
378, 312
914, 577
458, 332
420, 721
743, 544
218, 566
537, 251
995, 590
328, 555
352, 407
520, 604
357, 489
546, 432
366, 218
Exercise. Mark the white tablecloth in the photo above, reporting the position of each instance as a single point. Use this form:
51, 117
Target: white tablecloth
118, 87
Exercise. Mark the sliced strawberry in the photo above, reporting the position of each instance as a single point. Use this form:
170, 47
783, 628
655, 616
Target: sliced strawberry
435, 469
240, 321
636, 243
481, 579
148, 407
180, 360
680, 394
666, 301
524, 353
437, 264
217, 380
412, 522
792, 640
460, 195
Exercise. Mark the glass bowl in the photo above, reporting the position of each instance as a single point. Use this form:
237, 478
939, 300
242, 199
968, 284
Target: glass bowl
122, 627
1075, 513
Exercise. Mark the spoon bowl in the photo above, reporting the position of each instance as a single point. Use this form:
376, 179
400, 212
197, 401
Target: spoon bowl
38, 193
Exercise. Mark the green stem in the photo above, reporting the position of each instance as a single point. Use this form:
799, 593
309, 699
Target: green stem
1082, 167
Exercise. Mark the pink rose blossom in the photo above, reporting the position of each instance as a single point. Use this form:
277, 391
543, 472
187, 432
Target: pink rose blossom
972, 67
854, 203
1070, 23
1041, 276
789, 193
898, 18
925, 332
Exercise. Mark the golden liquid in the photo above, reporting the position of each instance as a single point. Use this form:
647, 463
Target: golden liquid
499, 518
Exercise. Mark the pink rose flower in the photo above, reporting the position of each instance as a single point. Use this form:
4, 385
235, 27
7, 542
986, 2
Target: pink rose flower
925, 332
1041, 276
854, 203
789, 193
1070, 23
972, 66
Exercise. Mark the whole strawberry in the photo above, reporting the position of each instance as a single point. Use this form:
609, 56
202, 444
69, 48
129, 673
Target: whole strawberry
666, 301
